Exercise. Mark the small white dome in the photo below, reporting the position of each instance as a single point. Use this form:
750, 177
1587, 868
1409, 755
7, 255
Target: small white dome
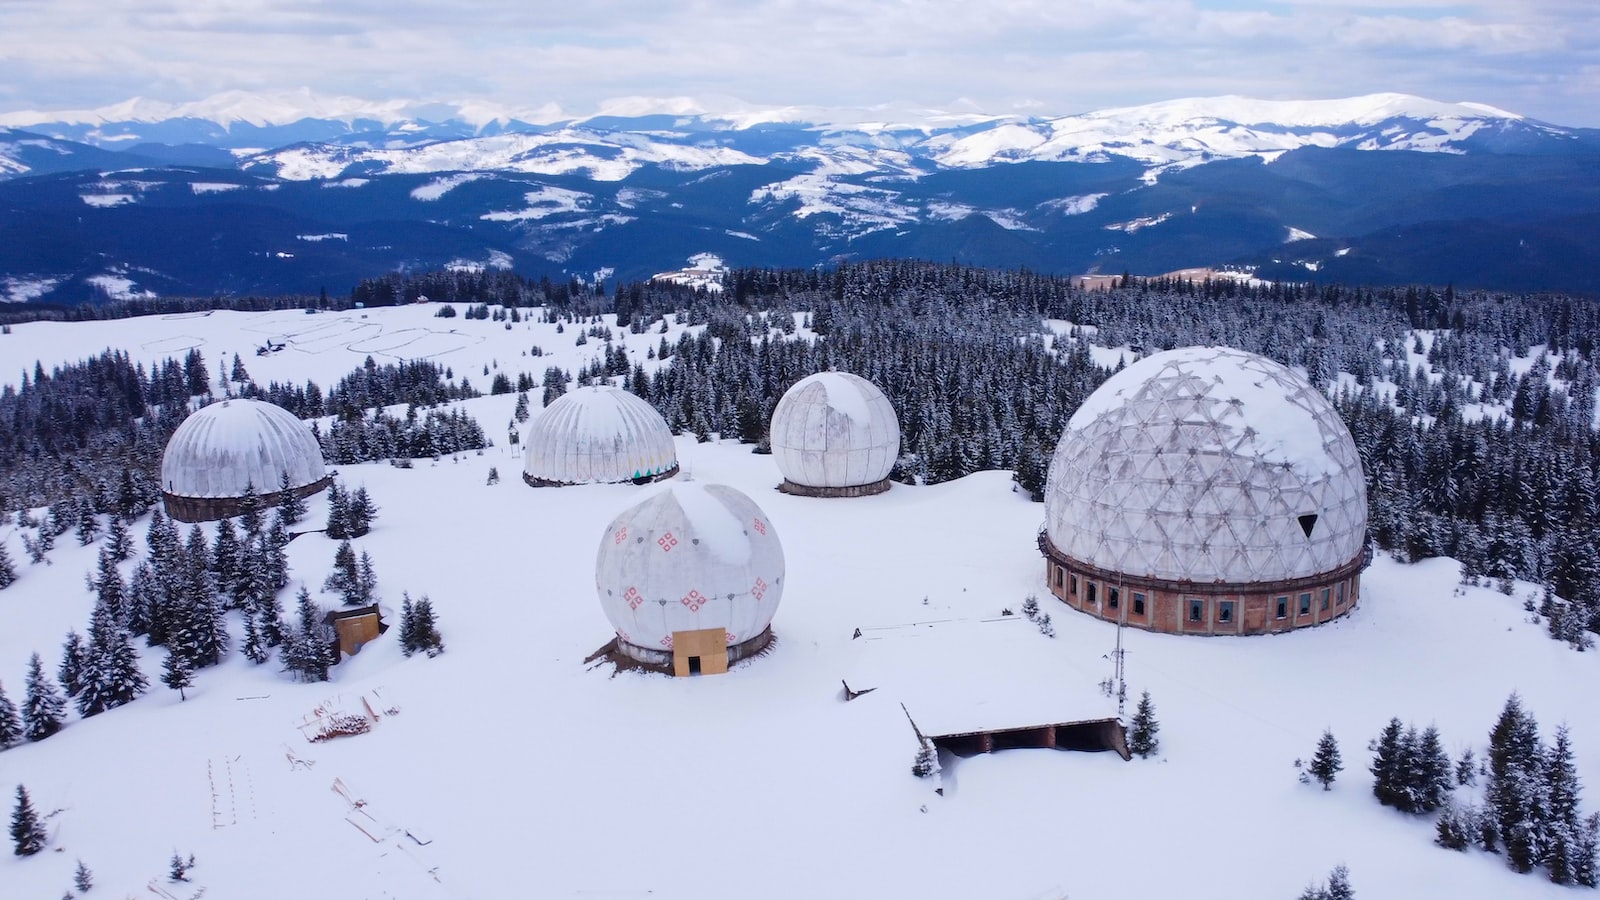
1207, 464
221, 449
598, 434
834, 430
691, 557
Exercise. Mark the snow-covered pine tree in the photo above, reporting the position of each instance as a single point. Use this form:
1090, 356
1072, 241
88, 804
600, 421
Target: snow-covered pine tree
1586, 853
73, 657
111, 676
1452, 830
272, 553
225, 559
119, 541
1388, 760
110, 590
1564, 826
8, 569
926, 765
338, 527
1516, 787
362, 512
1142, 733
408, 624
250, 511
1326, 763
291, 507
255, 645
1339, 885
494, 476
176, 674
366, 591
82, 878
10, 721
27, 832
306, 653
1467, 769
88, 524
345, 577
1434, 781
43, 707
426, 627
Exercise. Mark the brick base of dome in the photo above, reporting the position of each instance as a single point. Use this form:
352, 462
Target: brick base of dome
212, 509
1181, 607
854, 490
660, 660
533, 481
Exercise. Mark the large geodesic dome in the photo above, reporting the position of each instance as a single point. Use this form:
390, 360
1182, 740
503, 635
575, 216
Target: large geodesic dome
225, 448
834, 434
1206, 489
599, 434
690, 577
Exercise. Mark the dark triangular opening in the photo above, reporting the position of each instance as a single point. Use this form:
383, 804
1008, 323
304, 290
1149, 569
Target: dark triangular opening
1308, 522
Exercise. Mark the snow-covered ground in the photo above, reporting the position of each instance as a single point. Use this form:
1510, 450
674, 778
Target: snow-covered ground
535, 776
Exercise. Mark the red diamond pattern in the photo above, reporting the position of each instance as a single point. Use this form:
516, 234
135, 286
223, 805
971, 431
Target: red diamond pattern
731, 639
667, 542
621, 535
759, 589
694, 601
633, 597
761, 526
624, 635
667, 642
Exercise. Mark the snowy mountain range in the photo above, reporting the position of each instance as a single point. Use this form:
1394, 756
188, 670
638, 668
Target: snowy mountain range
1287, 189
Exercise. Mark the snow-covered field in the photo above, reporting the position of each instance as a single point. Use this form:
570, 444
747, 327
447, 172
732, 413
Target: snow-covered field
534, 776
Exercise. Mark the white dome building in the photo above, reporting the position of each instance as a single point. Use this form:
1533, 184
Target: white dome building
222, 449
834, 435
1206, 490
690, 578
600, 434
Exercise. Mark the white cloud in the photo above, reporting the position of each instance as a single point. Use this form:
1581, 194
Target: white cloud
1532, 56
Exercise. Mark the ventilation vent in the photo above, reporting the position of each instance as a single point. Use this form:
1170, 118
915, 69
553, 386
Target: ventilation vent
1308, 522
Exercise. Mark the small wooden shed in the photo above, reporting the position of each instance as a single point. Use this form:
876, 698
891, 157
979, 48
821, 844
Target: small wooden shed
355, 627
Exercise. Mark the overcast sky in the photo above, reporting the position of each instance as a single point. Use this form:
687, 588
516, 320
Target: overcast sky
1537, 57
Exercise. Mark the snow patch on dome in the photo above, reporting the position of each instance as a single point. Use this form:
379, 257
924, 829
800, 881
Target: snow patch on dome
712, 524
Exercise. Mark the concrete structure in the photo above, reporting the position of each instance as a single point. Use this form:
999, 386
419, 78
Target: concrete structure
601, 435
834, 434
223, 449
690, 577
1206, 491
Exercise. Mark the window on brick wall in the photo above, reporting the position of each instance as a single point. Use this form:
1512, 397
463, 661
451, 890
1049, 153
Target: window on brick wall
1283, 608
1113, 597
1305, 604
1197, 610
1326, 593
1225, 611
1138, 603
1072, 585
1061, 576
1341, 592
1093, 597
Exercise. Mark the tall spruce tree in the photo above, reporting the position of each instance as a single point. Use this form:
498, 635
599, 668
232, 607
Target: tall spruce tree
1142, 731
1326, 763
43, 707
10, 721
338, 527
176, 674
306, 653
1388, 761
27, 832
8, 569
73, 656
111, 676
250, 511
361, 512
291, 506
1564, 825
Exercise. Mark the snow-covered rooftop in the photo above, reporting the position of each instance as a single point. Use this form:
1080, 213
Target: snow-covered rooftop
223, 448
834, 429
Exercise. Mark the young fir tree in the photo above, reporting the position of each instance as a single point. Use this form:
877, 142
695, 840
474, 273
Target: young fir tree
1388, 764
119, 541
82, 878
1453, 830
225, 558
27, 832
250, 511
8, 569
1433, 777
291, 506
73, 656
88, 524
43, 707
1326, 764
1467, 769
1142, 734
408, 624
176, 674
255, 644
338, 527
111, 676
1516, 789
1564, 825
345, 577
1586, 854
419, 631
361, 513
366, 587
10, 721
306, 653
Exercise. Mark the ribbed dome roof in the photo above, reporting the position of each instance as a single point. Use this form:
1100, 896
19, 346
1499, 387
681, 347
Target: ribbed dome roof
1207, 464
691, 556
834, 429
222, 448
598, 434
